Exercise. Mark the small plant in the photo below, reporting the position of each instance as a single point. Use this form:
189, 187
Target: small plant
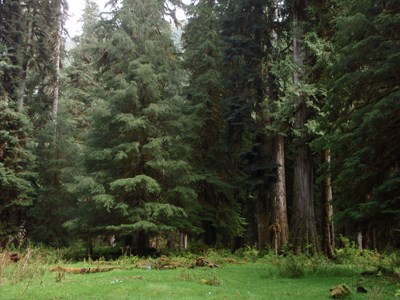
251, 253
116, 281
316, 263
394, 259
60, 275
203, 277
292, 266
376, 293
26, 267
397, 294
4, 261
185, 275
348, 251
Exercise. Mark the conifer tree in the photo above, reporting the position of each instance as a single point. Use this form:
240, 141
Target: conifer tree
363, 114
138, 183
42, 100
220, 215
244, 39
16, 165
277, 78
304, 232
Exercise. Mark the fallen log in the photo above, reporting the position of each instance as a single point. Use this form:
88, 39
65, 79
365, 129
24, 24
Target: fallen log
79, 270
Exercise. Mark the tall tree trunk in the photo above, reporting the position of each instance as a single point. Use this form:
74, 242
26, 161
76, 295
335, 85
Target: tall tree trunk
57, 59
24, 68
280, 226
304, 232
328, 238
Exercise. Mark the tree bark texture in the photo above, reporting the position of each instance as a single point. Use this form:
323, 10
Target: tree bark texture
280, 227
328, 237
304, 232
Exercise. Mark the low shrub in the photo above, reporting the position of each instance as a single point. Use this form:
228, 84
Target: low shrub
207, 277
292, 266
251, 253
79, 252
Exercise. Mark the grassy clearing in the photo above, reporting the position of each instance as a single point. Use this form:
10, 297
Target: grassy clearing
134, 278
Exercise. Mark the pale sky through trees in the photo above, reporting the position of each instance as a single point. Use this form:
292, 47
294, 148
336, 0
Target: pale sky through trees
75, 11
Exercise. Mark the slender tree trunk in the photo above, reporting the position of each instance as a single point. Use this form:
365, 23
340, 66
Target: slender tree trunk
56, 83
24, 69
280, 226
328, 239
304, 232
89, 246
360, 240
22, 87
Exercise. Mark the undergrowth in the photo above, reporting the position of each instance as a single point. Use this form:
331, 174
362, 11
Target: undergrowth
200, 276
25, 265
352, 265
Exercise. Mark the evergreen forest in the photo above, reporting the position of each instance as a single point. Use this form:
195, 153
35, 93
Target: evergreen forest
273, 124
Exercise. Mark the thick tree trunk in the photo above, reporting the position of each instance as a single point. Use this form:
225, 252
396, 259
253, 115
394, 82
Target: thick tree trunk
304, 232
262, 222
328, 238
280, 227
279, 223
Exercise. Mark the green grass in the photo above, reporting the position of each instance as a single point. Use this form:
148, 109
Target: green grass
260, 280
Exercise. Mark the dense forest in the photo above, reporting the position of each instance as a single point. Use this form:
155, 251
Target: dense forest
272, 123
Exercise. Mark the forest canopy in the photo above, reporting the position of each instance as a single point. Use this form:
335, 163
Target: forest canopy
267, 123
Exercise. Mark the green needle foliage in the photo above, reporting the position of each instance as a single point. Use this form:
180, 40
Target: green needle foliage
268, 111
364, 102
221, 213
138, 179
16, 170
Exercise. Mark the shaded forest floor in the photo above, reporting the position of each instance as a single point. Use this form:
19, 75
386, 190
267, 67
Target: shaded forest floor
36, 276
